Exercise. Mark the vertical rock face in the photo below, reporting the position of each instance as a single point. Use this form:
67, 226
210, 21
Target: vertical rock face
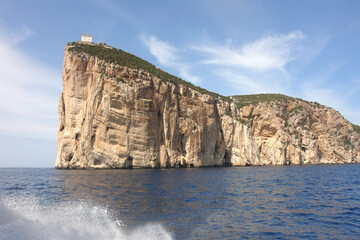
112, 116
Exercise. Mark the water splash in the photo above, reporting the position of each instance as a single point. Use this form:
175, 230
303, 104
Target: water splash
26, 218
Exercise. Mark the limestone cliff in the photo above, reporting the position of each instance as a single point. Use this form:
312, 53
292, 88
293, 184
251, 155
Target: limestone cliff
113, 114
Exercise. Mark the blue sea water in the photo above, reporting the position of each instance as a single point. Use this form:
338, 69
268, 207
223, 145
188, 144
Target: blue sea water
287, 202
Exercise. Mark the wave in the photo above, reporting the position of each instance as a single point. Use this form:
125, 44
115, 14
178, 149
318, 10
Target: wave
26, 218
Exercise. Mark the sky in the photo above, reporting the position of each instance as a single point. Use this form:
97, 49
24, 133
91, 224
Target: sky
306, 49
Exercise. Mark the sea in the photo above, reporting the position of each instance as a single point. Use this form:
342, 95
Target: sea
271, 202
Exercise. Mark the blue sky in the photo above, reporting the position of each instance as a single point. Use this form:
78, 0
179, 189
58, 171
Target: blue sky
305, 49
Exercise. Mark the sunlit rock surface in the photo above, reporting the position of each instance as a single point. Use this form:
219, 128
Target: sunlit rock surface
111, 116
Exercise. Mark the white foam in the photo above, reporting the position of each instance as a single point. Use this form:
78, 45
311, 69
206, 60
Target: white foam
25, 218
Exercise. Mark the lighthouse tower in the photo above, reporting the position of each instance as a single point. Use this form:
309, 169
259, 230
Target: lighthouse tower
86, 38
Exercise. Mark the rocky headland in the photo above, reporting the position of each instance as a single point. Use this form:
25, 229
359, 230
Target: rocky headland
119, 111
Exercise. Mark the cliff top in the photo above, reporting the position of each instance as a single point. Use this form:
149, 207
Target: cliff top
118, 56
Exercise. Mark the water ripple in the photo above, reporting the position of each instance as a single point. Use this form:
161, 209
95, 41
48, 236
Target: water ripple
310, 202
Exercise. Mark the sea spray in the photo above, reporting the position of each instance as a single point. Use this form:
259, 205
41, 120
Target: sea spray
27, 218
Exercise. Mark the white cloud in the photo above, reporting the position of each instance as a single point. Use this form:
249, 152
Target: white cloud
321, 87
263, 65
19, 100
18, 68
323, 95
351, 114
164, 52
185, 73
329, 96
16, 35
318, 87
255, 66
356, 87
29, 90
249, 82
167, 55
268, 53
239, 82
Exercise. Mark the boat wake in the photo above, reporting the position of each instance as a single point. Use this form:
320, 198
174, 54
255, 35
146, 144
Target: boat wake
26, 218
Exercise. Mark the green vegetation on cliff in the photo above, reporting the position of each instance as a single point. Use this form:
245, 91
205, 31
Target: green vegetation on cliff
123, 58
244, 100
356, 128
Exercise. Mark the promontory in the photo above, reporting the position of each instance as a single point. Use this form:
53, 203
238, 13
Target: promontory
119, 111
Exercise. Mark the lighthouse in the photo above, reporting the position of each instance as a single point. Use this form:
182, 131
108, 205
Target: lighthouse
86, 38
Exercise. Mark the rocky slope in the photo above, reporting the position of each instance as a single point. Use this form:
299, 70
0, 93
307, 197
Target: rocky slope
113, 114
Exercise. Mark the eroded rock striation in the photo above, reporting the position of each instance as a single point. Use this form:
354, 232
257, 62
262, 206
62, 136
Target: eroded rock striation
113, 115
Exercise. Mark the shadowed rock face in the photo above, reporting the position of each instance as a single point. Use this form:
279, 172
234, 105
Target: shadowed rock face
111, 116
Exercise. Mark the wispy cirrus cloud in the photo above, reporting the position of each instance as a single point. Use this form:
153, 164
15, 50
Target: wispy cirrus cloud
15, 35
257, 66
29, 89
323, 88
165, 53
268, 53
168, 56
332, 97
253, 67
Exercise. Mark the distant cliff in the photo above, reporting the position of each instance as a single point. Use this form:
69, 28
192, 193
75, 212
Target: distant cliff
119, 111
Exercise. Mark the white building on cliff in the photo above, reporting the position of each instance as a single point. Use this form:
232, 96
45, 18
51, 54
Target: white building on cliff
86, 37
